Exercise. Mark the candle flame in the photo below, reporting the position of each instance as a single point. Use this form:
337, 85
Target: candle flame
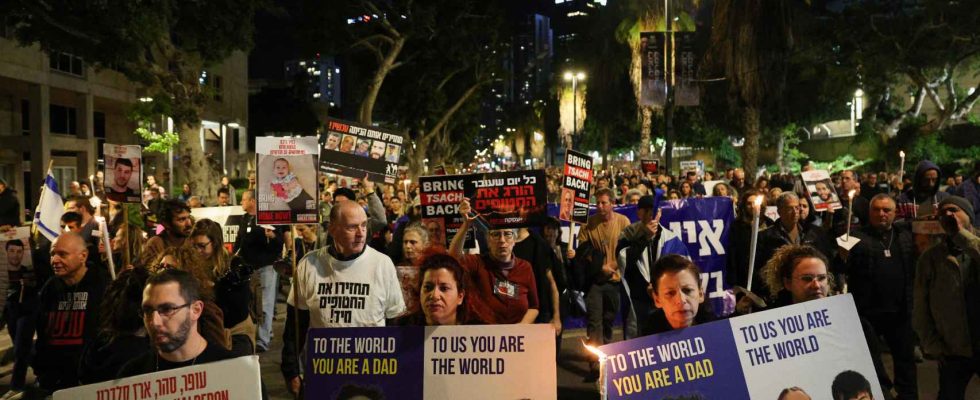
594, 350
901, 153
850, 194
758, 201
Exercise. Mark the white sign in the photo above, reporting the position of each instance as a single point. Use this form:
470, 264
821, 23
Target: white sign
476, 362
237, 379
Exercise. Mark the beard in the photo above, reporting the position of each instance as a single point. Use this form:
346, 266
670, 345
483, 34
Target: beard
175, 340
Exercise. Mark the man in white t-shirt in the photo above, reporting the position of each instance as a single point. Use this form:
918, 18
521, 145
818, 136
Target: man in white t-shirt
347, 284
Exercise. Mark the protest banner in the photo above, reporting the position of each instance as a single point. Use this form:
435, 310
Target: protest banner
693, 165
228, 217
439, 196
16, 262
704, 225
508, 199
285, 176
820, 189
435, 362
355, 150
123, 172
653, 91
652, 166
236, 379
756, 356
577, 181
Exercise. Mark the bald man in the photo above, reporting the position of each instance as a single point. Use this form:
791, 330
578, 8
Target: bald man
68, 316
347, 284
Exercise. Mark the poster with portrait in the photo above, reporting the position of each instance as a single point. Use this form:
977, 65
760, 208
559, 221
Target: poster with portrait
820, 190
286, 180
123, 172
16, 261
576, 182
653, 51
693, 165
439, 196
355, 150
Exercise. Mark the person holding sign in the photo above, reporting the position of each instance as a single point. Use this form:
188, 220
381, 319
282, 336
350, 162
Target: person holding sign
347, 284
637, 252
174, 314
947, 291
441, 292
676, 291
503, 283
122, 172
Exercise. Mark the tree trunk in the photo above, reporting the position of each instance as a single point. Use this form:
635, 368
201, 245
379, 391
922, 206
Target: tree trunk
192, 167
605, 147
646, 131
750, 150
780, 159
366, 109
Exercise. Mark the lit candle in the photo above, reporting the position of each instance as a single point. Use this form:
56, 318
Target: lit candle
104, 232
756, 206
602, 369
901, 165
850, 211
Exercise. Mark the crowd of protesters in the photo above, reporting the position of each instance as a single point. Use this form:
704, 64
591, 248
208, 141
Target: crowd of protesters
181, 297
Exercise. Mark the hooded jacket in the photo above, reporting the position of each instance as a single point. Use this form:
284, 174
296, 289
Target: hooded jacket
920, 195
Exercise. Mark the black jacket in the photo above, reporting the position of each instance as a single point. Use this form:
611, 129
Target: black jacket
253, 246
864, 267
10, 210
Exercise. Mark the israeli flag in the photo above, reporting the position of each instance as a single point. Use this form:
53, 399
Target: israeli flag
671, 243
47, 216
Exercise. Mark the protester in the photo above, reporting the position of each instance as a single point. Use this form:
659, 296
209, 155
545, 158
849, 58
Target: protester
10, 211
232, 194
786, 231
365, 272
676, 291
176, 219
970, 190
502, 283
223, 199
176, 318
122, 335
637, 251
259, 247
19, 313
947, 291
442, 289
531, 247
880, 270
925, 193
796, 273
185, 193
231, 280
73, 296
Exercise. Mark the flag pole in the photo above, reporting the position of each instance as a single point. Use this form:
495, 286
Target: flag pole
40, 198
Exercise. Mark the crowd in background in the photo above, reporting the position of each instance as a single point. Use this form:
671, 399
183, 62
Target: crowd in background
181, 297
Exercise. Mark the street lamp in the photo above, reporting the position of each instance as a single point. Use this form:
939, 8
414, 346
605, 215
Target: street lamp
574, 77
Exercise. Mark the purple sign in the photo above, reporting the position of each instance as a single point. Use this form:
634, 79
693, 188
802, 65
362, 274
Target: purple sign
380, 361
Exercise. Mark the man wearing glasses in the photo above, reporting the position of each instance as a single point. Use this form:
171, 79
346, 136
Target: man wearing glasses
172, 311
946, 308
880, 269
68, 313
502, 282
787, 230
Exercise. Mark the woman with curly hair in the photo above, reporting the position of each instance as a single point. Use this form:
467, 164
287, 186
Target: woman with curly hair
230, 280
797, 273
122, 335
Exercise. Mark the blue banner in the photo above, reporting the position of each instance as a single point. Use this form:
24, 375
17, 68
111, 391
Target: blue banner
703, 224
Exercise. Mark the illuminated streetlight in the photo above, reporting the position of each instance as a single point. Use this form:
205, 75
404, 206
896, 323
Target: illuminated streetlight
574, 77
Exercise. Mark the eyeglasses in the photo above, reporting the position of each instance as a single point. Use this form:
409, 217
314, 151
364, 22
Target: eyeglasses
809, 278
165, 311
202, 246
505, 234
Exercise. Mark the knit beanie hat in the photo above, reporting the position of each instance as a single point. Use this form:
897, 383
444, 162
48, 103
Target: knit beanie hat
960, 202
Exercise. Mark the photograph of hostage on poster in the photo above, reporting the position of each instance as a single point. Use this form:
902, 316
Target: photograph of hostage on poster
286, 180
440, 196
820, 189
123, 172
575, 187
354, 150
16, 261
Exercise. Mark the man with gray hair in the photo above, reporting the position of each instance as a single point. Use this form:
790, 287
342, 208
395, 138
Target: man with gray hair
786, 230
